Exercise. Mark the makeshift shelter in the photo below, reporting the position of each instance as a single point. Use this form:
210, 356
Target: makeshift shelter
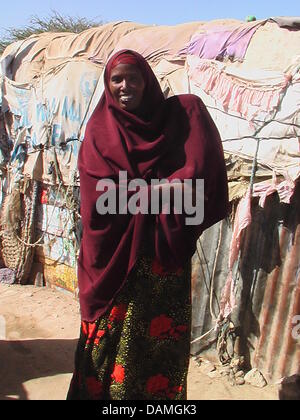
246, 270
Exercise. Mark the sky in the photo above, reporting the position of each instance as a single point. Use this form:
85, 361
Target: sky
17, 13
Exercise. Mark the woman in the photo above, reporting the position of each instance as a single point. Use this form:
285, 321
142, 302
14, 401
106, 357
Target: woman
134, 269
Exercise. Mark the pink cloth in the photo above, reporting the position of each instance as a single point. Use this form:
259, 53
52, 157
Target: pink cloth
285, 190
246, 97
241, 221
218, 42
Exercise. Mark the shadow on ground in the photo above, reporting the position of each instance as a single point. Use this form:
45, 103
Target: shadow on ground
25, 360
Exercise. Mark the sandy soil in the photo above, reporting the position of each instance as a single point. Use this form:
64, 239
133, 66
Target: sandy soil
38, 334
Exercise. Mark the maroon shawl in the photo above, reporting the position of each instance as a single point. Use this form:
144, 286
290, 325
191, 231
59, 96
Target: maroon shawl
172, 138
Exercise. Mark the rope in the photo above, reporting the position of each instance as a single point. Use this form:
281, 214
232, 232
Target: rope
202, 336
211, 287
37, 243
215, 265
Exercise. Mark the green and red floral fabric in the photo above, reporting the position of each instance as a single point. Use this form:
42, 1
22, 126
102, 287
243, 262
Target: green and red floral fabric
140, 349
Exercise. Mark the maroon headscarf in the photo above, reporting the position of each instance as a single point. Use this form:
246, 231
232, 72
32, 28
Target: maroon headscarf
167, 138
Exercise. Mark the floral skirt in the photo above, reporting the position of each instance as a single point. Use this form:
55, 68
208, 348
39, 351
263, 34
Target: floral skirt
140, 349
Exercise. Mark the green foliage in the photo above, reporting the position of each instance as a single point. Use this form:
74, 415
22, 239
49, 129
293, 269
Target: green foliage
53, 23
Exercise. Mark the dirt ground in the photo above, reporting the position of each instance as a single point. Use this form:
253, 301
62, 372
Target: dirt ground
39, 327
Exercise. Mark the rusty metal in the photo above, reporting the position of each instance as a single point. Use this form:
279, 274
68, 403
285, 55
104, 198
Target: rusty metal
267, 287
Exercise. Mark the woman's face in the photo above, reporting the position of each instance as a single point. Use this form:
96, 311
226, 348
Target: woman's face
127, 85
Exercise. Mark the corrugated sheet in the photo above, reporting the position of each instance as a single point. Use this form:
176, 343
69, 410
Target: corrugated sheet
267, 285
